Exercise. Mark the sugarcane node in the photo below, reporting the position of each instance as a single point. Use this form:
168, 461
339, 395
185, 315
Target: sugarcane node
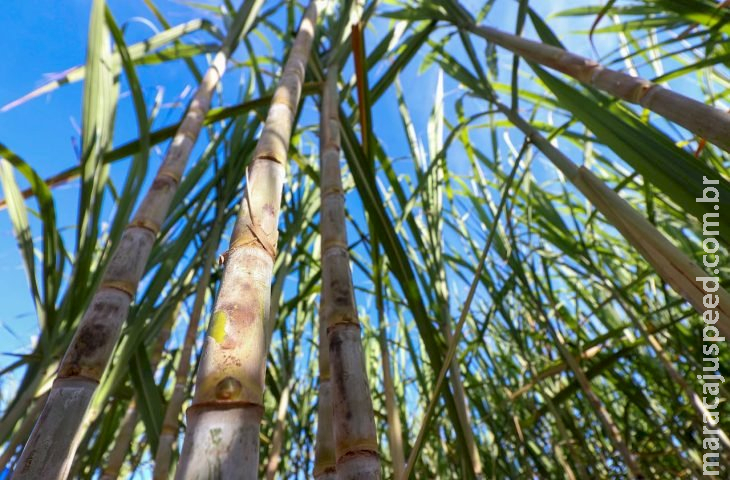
268, 156
213, 69
644, 98
228, 389
169, 429
258, 239
123, 286
364, 447
167, 173
196, 109
199, 407
335, 327
222, 258
639, 91
284, 97
145, 224
192, 136
332, 145
328, 245
586, 71
324, 469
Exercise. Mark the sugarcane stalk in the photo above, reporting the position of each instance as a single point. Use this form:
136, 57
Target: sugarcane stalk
395, 429
540, 376
131, 415
433, 203
223, 422
356, 446
460, 400
564, 437
462, 411
22, 403
96, 408
670, 263
705, 121
93, 343
170, 425
277, 440
121, 442
324, 456
23, 430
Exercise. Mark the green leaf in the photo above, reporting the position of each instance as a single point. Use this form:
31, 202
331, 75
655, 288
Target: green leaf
674, 171
148, 396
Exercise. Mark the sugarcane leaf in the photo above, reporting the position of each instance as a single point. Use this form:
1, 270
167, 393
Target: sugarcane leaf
138, 167
407, 51
674, 171
21, 229
543, 30
53, 253
133, 147
148, 396
97, 121
140, 53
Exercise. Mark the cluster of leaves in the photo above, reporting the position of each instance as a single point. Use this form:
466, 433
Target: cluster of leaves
564, 323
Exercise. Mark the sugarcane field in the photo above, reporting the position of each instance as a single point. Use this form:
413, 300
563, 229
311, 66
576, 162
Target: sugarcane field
363, 240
